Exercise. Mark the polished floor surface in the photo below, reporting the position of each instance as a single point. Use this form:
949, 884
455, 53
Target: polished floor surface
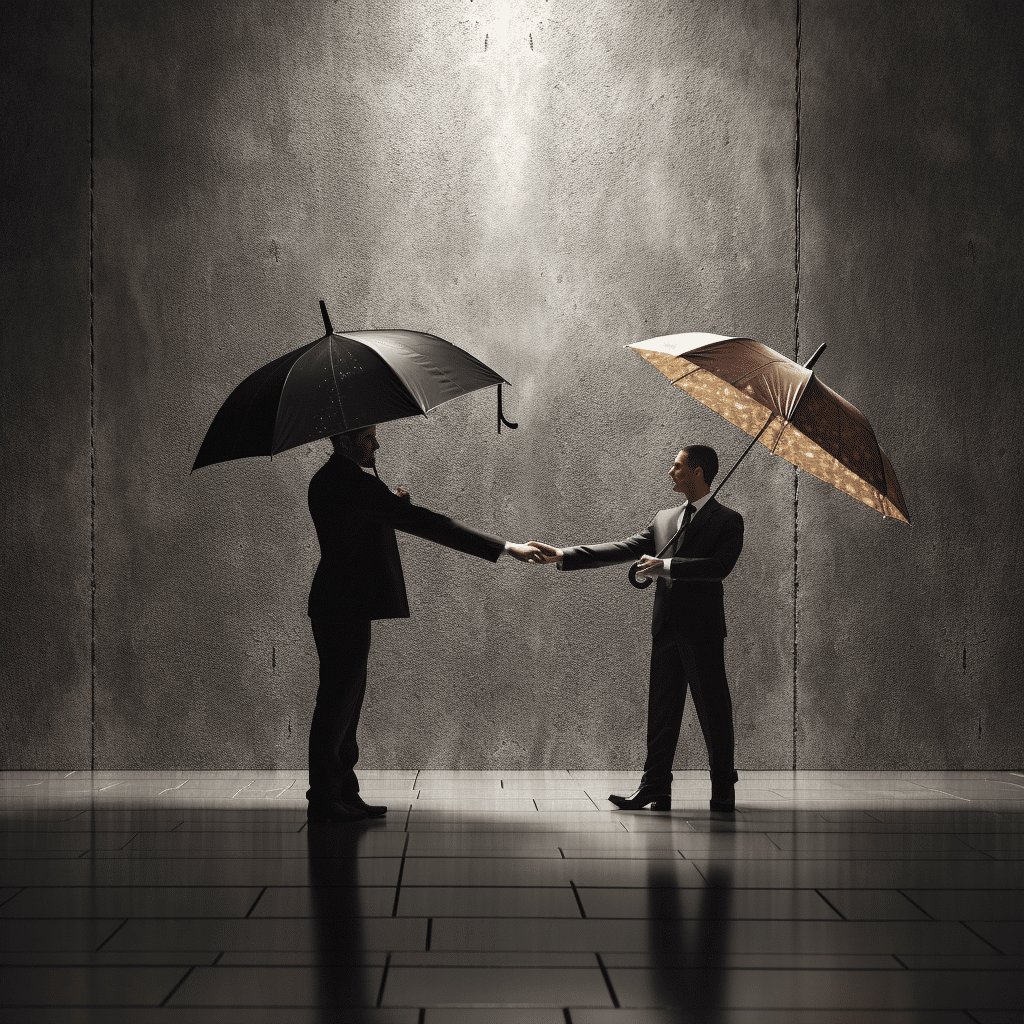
512, 897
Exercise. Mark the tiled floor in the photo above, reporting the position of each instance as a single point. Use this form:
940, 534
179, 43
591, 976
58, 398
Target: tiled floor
486, 897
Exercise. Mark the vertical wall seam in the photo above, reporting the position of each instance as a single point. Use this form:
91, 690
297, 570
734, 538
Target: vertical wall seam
92, 394
796, 353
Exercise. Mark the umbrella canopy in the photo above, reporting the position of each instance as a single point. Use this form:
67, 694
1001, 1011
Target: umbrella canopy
785, 407
341, 382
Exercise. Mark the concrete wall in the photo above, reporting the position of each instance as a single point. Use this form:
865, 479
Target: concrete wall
542, 183
912, 144
45, 557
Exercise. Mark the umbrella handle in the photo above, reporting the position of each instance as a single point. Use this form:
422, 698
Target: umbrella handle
639, 584
501, 415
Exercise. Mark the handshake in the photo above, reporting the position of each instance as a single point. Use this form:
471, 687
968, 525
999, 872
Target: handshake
535, 552
543, 554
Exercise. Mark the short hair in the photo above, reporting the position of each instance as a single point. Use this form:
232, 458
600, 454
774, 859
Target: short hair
705, 457
350, 435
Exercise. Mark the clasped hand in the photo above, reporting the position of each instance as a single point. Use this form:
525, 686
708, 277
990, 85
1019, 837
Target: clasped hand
648, 566
535, 552
544, 554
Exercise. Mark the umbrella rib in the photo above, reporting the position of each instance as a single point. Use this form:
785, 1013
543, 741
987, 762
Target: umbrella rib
778, 437
881, 465
280, 397
334, 377
756, 369
687, 374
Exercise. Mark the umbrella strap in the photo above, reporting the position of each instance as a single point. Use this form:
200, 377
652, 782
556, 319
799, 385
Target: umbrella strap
767, 422
501, 415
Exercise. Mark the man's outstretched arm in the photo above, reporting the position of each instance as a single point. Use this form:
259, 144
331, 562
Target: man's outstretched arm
594, 556
397, 511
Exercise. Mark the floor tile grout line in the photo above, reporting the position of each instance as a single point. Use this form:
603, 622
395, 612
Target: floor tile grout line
566, 1015
130, 841
181, 982
383, 981
842, 916
914, 903
111, 935
401, 871
217, 958
607, 981
24, 888
416, 779
579, 902
982, 937
964, 842
255, 901
899, 961
430, 934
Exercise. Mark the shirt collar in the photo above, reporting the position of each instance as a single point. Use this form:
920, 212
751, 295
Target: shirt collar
699, 503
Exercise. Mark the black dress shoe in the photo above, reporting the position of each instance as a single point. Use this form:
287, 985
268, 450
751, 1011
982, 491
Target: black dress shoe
723, 797
334, 814
658, 797
372, 810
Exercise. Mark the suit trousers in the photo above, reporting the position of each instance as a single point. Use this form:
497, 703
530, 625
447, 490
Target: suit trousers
343, 646
678, 662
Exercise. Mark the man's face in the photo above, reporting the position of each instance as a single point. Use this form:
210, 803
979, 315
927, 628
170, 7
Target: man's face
364, 447
684, 479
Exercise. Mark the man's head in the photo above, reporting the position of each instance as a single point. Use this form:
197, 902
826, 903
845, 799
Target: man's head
358, 445
694, 469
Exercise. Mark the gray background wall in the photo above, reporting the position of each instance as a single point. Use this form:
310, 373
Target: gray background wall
542, 183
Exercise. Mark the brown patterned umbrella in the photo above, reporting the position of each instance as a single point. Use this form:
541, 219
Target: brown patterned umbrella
785, 407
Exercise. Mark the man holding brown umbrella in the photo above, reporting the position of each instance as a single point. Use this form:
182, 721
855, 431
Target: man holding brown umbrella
690, 549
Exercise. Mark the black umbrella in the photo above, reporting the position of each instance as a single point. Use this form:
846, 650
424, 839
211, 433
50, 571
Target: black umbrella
341, 382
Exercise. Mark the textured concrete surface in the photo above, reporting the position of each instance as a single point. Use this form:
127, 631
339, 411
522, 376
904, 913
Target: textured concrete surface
912, 143
542, 183
542, 190
44, 380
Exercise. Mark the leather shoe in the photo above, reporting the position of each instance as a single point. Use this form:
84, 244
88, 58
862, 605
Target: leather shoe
333, 814
658, 797
372, 810
723, 797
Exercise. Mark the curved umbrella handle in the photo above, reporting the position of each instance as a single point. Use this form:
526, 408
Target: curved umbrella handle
639, 584
501, 415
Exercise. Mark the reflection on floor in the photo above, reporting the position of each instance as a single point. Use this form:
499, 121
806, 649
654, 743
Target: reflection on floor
514, 897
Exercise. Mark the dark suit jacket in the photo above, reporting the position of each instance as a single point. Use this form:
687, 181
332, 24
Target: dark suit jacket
360, 570
710, 548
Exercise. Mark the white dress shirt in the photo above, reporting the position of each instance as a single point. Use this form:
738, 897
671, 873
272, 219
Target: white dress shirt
665, 569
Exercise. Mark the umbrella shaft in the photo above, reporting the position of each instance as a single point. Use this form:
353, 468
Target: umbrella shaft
767, 422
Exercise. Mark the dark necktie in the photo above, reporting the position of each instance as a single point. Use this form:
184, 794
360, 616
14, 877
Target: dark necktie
677, 542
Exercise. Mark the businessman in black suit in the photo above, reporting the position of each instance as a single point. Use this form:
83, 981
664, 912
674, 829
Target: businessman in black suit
690, 549
359, 579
